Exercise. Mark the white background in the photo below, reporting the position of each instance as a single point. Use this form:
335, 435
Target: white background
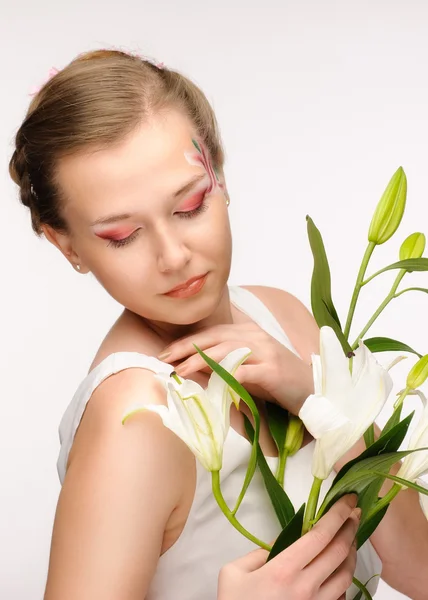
318, 102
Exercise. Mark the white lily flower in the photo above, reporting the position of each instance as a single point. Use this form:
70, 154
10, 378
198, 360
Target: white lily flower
344, 405
201, 418
415, 465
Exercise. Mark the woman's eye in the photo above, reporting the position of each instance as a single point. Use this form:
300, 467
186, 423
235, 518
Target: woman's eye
188, 214
123, 241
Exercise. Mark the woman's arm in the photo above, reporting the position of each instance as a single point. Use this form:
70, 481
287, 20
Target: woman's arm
401, 539
122, 484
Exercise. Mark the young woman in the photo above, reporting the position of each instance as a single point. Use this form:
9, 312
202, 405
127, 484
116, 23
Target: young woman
121, 165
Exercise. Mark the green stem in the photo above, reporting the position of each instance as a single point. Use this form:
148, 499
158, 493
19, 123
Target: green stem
357, 288
384, 501
416, 289
281, 467
239, 500
311, 507
380, 308
228, 513
366, 281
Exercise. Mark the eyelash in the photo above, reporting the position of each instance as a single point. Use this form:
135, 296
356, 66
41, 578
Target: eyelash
189, 214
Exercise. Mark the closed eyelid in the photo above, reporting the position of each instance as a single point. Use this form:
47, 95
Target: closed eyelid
115, 234
193, 200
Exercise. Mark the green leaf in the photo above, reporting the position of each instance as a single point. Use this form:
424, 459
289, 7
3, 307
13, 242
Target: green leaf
393, 419
277, 418
242, 393
388, 442
384, 344
290, 534
409, 265
366, 500
362, 588
321, 300
367, 528
369, 497
407, 483
281, 503
369, 435
360, 594
358, 478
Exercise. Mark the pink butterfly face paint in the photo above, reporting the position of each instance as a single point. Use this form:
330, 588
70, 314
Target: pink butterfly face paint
201, 158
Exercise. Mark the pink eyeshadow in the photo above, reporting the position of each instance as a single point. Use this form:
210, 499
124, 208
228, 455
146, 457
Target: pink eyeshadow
114, 234
193, 202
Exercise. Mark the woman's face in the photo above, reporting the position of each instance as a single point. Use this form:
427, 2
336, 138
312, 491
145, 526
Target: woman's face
147, 215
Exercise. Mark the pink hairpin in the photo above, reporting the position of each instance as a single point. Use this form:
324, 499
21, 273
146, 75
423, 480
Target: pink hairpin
36, 89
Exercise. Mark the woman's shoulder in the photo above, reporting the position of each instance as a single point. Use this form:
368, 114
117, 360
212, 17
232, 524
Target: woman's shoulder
293, 316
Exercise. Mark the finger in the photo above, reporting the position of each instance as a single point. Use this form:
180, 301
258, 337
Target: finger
206, 338
335, 553
317, 539
197, 363
337, 584
252, 561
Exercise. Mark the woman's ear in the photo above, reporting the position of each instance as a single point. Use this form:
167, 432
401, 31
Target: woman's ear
63, 242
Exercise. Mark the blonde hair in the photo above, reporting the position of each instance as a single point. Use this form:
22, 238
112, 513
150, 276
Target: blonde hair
95, 101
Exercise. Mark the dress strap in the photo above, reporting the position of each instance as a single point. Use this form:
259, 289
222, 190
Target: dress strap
114, 363
254, 308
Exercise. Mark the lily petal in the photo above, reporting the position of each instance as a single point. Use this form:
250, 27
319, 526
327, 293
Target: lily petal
320, 416
218, 390
415, 465
349, 403
335, 365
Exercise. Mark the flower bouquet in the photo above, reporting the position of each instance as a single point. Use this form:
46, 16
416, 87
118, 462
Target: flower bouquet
350, 390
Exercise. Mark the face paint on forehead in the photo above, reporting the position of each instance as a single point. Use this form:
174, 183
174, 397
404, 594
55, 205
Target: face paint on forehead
202, 159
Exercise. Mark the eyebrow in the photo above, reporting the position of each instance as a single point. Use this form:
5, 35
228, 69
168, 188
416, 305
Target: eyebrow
121, 217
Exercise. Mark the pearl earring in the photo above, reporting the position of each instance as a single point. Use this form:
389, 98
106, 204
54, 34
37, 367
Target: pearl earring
227, 200
78, 267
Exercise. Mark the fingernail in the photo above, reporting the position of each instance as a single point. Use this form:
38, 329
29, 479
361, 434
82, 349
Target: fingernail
163, 355
357, 513
352, 500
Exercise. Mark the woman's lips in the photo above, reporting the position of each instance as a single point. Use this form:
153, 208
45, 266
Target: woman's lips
195, 285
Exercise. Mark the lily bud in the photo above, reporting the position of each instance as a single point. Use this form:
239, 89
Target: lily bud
413, 246
390, 209
294, 435
418, 373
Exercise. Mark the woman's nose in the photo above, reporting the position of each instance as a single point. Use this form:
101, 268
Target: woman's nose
173, 254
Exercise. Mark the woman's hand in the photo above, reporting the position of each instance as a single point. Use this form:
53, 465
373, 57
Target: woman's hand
319, 566
272, 372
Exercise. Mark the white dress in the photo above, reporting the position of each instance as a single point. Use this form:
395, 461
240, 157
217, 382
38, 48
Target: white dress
189, 569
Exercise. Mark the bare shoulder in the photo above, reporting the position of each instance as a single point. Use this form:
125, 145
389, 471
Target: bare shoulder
101, 424
293, 316
122, 486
